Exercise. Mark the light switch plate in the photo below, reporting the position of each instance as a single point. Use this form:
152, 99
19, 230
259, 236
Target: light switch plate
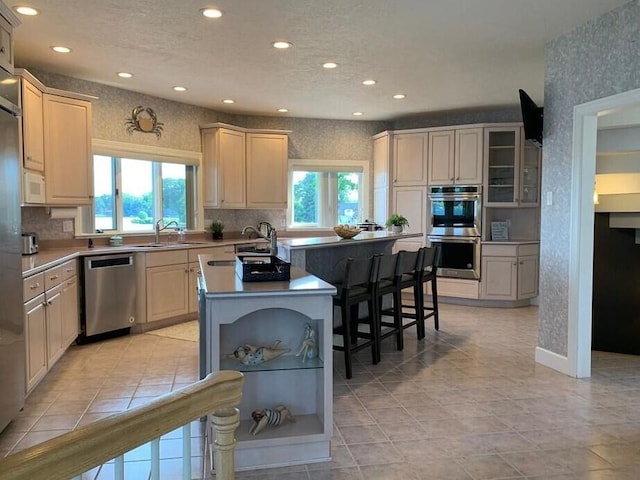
67, 226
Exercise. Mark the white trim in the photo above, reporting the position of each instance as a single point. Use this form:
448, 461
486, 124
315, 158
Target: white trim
243, 129
580, 273
145, 152
553, 360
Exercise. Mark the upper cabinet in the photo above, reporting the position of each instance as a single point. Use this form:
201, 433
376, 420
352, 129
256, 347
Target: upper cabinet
244, 168
67, 146
455, 157
410, 159
32, 126
7, 23
381, 184
512, 169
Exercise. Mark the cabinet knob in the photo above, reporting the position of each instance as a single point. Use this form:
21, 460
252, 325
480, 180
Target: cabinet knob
54, 277
69, 270
34, 286
515, 264
2, 50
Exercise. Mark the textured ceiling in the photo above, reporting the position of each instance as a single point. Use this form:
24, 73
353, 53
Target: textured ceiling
443, 54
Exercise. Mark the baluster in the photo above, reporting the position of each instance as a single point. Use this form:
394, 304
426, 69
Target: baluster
119, 467
186, 451
155, 459
225, 421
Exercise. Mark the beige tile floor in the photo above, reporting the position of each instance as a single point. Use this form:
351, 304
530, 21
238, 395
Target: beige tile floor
468, 402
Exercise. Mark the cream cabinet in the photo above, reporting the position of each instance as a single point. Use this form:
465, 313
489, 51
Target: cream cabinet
512, 169
7, 22
67, 148
455, 157
509, 271
267, 156
381, 183
167, 281
32, 126
222, 255
35, 329
70, 313
412, 203
410, 159
244, 168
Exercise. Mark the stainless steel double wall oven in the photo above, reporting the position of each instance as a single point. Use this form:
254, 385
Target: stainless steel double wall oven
455, 224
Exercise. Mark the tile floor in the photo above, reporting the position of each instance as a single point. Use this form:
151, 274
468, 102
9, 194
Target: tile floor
468, 403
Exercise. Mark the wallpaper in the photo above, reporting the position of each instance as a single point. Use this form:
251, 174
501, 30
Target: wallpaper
598, 59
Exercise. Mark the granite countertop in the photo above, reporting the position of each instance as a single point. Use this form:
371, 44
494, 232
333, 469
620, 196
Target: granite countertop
335, 241
222, 281
50, 257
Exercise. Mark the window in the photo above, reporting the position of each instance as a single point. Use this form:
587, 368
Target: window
326, 195
131, 195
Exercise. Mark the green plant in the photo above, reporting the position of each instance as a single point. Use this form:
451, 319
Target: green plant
397, 221
217, 226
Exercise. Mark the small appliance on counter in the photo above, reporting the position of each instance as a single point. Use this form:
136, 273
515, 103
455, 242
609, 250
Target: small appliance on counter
29, 243
368, 226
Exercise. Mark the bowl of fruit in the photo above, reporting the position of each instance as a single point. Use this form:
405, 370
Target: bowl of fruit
346, 231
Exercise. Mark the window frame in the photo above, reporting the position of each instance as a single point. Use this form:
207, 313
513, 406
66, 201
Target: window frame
332, 166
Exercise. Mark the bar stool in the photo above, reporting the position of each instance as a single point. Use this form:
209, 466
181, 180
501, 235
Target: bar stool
386, 285
430, 261
357, 287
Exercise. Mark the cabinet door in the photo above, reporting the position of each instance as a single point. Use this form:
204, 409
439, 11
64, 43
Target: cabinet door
502, 159
412, 203
6, 45
194, 272
381, 155
167, 291
210, 169
70, 320
267, 156
409, 159
54, 316
499, 278
232, 169
32, 127
468, 156
441, 158
67, 148
527, 276
36, 341
529, 194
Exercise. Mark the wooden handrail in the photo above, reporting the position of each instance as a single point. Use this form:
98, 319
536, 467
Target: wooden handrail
80, 450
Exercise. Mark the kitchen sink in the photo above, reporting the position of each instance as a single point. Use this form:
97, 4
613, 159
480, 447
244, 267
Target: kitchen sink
252, 248
170, 244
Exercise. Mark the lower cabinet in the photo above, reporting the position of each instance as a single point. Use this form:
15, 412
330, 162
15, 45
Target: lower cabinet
509, 271
51, 318
411, 202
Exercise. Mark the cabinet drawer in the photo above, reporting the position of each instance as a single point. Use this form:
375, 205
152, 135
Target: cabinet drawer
226, 252
69, 269
496, 250
174, 257
529, 249
54, 276
32, 286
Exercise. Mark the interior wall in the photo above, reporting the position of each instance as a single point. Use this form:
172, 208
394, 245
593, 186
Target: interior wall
595, 60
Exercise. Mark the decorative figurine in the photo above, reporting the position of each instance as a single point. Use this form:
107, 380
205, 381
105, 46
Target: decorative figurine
264, 417
250, 355
308, 349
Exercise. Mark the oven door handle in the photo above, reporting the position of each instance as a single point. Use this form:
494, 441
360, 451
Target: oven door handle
440, 239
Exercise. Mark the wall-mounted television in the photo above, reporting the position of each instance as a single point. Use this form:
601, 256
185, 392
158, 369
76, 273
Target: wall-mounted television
532, 119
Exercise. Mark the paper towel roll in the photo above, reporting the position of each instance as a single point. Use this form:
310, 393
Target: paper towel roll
63, 213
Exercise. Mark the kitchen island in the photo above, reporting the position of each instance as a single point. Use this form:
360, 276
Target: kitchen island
325, 257
275, 315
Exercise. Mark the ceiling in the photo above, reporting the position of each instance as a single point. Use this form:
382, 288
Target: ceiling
443, 54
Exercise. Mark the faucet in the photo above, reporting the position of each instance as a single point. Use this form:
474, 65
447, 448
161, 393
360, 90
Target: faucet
158, 229
271, 235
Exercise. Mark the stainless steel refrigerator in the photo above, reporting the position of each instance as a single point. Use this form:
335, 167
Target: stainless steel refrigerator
12, 330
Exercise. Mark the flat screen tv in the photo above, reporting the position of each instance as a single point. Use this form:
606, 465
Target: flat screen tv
532, 119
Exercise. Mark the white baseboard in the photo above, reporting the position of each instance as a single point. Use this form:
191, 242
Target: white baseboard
553, 360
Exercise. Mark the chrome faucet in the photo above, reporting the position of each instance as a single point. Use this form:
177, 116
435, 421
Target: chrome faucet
271, 235
158, 229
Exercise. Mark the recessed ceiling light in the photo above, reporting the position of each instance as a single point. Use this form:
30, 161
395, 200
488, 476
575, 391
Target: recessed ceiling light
228, 100
369, 82
180, 89
125, 74
399, 96
283, 110
282, 44
24, 10
357, 114
330, 65
211, 12
8, 81
59, 49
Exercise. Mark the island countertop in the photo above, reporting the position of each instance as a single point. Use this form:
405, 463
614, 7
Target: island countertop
335, 241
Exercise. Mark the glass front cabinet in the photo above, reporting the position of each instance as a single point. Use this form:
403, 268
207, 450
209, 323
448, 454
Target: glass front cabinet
512, 169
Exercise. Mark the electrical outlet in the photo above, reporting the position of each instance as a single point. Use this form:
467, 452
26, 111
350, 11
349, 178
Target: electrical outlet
67, 226
283, 222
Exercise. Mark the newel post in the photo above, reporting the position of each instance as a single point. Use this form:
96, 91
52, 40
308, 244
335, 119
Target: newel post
225, 421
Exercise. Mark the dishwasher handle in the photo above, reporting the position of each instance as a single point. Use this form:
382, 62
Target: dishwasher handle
110, 262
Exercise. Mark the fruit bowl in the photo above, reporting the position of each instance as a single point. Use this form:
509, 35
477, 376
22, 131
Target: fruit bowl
346, 231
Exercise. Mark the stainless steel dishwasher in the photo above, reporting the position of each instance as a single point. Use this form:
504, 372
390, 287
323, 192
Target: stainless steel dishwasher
109, 294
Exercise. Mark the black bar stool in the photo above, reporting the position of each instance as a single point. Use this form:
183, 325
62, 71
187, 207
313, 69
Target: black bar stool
386, 285
357, 287
430, 261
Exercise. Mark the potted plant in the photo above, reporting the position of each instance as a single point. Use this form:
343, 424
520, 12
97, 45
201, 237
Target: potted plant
217, 227
397, 222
